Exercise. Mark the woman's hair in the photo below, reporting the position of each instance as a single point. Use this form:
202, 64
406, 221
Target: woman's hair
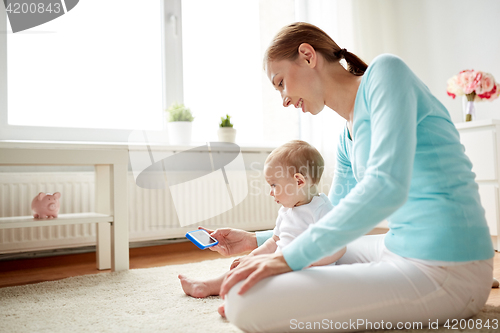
298, 157
286, 43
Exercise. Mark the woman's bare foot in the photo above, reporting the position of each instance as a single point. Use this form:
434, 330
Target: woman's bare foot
198, 289
222, 310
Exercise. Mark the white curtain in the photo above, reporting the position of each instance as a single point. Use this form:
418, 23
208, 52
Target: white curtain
323, 130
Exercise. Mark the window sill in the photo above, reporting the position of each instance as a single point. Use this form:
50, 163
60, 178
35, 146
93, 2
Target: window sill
27, 144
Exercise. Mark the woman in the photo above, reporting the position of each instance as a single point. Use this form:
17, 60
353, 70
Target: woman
400, 159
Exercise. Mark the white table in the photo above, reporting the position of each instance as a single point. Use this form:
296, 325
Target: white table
111, 215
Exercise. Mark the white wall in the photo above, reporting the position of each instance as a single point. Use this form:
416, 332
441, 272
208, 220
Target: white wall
437, 39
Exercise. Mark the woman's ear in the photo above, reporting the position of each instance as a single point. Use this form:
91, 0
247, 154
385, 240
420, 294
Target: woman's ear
307, 53
300, 179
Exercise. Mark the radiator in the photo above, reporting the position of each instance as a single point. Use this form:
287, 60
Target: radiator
152, 215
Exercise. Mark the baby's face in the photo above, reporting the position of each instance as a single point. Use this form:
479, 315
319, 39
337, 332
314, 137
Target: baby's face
285, 189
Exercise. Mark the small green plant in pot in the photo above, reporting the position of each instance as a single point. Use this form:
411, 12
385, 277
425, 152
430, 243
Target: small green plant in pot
179, 124
226, 131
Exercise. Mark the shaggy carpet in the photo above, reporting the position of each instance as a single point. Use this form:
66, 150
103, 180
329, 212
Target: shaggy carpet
138, 300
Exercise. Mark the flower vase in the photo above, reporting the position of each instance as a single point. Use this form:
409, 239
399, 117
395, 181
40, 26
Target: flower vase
468, 107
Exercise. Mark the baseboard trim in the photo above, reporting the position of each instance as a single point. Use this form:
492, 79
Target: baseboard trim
81, 249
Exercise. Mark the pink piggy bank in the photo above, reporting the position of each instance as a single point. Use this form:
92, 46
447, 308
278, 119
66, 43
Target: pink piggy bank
46, 205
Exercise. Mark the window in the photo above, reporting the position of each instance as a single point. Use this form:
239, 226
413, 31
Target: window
222, 66
81, 72
108, 67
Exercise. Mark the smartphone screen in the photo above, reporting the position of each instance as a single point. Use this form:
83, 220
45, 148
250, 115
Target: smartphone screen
203, 237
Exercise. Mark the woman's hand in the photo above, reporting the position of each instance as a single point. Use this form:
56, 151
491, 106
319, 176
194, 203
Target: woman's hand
254, 269
232, 241
235, 263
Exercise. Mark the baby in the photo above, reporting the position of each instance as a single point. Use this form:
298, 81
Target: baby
293, 171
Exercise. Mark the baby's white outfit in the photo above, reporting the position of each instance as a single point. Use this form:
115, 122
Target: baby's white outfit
291, 222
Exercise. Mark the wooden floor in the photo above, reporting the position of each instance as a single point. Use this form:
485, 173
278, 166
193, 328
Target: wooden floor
27, 271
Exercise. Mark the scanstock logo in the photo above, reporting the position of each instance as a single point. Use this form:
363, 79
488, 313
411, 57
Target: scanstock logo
25, 14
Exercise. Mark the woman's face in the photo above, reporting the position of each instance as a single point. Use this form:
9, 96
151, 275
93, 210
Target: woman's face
298, 84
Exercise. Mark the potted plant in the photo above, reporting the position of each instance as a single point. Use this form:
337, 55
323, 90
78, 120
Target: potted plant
179, 124
226, 131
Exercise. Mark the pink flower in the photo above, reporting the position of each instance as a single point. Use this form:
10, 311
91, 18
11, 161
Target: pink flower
476, 82
487, 84
470, 81
490, 95
467, 80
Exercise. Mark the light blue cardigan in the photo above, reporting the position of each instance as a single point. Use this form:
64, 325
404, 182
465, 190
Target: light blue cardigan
405, 164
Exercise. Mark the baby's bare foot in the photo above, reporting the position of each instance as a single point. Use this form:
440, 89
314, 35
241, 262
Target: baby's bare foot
222, 310
194, 288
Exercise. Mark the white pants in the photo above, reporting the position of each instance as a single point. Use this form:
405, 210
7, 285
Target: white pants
369, 288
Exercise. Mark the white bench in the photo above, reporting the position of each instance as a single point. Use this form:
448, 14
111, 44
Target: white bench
111, 215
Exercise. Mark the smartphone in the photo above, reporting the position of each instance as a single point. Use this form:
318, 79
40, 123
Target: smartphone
201, 238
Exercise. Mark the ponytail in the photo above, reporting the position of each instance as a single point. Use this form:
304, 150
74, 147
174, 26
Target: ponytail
287, 41
355, 65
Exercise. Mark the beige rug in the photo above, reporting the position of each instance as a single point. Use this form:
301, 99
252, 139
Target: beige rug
139, 300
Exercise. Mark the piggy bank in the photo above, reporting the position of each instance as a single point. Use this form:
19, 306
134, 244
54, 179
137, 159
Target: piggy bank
45, 205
